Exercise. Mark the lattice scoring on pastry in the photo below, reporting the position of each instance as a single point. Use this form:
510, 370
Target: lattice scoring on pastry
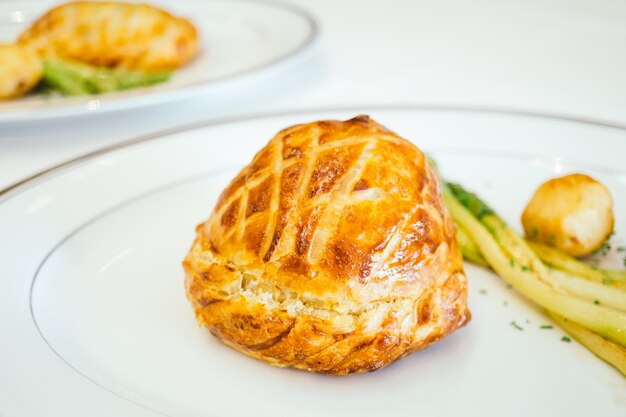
331, 252
113, 34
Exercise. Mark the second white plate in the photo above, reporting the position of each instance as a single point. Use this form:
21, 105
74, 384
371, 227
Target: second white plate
238, 38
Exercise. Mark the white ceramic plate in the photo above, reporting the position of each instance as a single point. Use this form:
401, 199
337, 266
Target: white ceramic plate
238, 37
94, 320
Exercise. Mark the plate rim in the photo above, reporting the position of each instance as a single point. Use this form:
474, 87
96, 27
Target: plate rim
16, 188
82, 105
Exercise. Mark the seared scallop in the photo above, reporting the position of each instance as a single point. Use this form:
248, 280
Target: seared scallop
573, 213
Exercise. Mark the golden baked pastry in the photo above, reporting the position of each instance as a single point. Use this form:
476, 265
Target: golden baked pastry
331, 252
20, 70
113, 34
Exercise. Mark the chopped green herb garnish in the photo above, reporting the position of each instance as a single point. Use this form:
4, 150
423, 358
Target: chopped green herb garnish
621, 248
482, 291
604, 249
596, 302
525, 268
470, 201
546, 326
607, 281
509, 286
534, 232
566, 339
505, 304
517, 326
512, 262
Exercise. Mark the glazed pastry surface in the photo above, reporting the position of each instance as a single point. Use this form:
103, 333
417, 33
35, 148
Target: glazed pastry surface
113, 34
330, 252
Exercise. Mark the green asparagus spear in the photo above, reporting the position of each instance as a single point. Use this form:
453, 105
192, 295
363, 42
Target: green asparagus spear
468, 247
591, 291
515, 262
517, 249
561, 260
77, 78
64, 78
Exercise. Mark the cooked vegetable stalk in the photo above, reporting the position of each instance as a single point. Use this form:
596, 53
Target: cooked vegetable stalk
508, 239
606, 350
489, 232
592, 291
76, 78
468, 247
598, 293
59, 76
561, 260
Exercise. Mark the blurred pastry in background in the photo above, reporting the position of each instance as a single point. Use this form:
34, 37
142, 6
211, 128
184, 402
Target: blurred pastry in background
20, 70
113, 34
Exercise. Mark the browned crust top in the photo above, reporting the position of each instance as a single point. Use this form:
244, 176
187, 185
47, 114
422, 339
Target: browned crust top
334, 226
